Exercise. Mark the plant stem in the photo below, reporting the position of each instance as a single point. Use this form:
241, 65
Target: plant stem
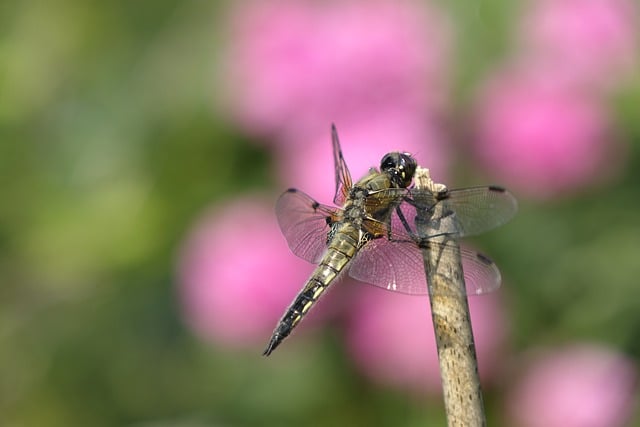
450, 311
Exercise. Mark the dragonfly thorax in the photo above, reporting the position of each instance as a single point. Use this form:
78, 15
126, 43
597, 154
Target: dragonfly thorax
400, 167
354, 209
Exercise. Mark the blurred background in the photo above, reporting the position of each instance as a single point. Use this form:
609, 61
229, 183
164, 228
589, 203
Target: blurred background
143, 146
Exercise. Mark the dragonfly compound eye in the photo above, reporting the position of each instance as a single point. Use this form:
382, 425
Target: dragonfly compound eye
400, 167
390, 161
407, 168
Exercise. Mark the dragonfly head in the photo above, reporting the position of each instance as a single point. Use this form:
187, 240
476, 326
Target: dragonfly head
400, 167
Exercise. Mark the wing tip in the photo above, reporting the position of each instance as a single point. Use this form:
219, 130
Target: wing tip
497, 188
484, 259
334, 134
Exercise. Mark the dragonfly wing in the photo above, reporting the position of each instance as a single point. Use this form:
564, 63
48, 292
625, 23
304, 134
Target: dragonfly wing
305, 224
399, 267
393, 266
343, 177
481, 274
477, 209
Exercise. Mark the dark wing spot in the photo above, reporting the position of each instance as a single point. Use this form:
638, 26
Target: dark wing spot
315, 205
485, 259
442, 195
497, 188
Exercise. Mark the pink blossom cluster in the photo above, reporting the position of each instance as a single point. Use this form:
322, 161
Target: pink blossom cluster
542, 124
299, 65
583, 385
391, 339
235, 272
377, 69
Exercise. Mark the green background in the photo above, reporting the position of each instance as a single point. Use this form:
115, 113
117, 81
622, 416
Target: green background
112, 142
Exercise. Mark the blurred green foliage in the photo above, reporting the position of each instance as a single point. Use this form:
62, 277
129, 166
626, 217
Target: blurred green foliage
110, 146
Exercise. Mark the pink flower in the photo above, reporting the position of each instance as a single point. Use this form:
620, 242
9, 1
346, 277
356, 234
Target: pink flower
300, 64
579, 386
309, 164
237, 275
583, 41
542, 138
390, 337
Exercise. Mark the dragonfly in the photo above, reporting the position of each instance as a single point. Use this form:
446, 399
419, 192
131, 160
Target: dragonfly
369, 235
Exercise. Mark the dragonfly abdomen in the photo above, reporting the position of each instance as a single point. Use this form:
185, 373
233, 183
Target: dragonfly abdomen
342, 248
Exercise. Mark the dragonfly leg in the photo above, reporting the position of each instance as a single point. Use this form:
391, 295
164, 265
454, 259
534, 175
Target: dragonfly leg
404, 222
415, 236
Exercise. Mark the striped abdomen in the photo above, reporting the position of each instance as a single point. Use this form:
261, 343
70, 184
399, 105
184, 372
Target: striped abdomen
342, 248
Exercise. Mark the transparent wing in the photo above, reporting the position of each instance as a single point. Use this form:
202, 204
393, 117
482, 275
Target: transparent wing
392, 266
477, 209
343, 177
305, 224
399, 267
